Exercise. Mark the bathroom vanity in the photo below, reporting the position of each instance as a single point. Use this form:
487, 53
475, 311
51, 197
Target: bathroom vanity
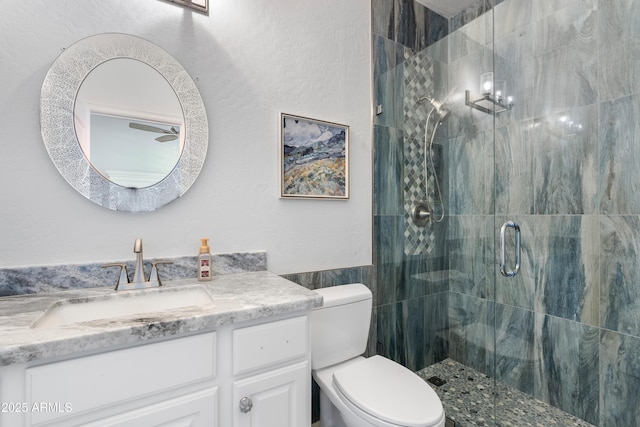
242, 359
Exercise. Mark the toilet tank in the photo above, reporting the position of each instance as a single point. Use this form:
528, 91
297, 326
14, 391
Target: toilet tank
340, 328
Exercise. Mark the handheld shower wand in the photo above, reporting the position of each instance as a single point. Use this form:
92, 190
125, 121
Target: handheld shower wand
422, 214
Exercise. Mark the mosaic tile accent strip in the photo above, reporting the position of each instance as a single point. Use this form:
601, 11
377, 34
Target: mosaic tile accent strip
417, 181
415, 191
417, 240
419, 77
468, 400
420, 73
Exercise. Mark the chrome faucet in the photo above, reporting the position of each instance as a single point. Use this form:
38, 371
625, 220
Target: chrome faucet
138, 273
139, 281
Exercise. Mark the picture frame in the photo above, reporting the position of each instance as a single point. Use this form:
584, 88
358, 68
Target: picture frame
314, 158
199, 5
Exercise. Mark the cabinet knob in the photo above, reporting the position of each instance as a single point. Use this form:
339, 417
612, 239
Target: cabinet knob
245, 405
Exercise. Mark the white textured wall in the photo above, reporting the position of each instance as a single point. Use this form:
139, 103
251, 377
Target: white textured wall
253, 60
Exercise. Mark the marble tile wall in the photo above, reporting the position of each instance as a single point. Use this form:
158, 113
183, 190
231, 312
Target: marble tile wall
409, 55
564, 164
566, 169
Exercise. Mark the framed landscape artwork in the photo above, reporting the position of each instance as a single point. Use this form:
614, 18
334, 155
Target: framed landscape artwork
314, 158
199, 5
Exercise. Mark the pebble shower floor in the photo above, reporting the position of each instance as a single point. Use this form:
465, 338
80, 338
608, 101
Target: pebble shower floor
468, 400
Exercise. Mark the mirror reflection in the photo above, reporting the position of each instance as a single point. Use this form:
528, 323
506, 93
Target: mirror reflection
128, 121
128, 153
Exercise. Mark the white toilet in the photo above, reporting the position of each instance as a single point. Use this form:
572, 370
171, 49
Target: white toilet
357, 391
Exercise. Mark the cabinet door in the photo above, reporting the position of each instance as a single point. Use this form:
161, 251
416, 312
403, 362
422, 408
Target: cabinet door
278, 398
101, 381
199, 409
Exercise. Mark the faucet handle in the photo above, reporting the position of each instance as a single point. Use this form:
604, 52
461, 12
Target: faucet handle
124, 277
154, 277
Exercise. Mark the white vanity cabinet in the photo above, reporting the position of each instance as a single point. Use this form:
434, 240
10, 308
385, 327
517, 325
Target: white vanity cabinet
275, 398
272, 374
196, 380
172, 380
196, 409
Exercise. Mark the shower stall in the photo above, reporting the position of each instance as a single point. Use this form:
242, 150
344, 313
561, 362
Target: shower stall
524, 113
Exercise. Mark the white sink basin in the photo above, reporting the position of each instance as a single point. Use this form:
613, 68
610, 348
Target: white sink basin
123, 303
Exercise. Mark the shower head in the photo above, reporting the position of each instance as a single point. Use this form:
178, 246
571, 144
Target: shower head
442, 113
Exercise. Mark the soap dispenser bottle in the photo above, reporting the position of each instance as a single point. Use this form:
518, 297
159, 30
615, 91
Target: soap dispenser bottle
205, 261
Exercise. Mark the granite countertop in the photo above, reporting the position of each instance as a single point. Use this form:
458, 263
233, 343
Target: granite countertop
237, 298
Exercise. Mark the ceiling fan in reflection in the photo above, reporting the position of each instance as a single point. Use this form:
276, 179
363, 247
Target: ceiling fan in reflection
169, 134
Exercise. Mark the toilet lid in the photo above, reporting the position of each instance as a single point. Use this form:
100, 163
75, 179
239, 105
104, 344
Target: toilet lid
390, 392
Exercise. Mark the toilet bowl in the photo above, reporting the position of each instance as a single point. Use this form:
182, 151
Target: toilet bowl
362, 392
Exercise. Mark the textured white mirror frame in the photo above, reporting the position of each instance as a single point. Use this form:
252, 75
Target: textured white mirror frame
57, 101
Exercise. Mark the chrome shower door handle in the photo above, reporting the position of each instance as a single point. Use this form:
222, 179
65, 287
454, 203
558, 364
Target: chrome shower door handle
503, 266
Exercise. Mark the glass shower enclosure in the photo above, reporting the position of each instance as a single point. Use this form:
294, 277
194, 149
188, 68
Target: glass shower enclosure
540, 142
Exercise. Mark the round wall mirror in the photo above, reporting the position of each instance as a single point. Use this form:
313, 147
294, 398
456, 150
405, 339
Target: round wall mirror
123, 122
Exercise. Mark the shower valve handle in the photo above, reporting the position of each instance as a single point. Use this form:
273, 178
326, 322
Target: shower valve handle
421, 214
